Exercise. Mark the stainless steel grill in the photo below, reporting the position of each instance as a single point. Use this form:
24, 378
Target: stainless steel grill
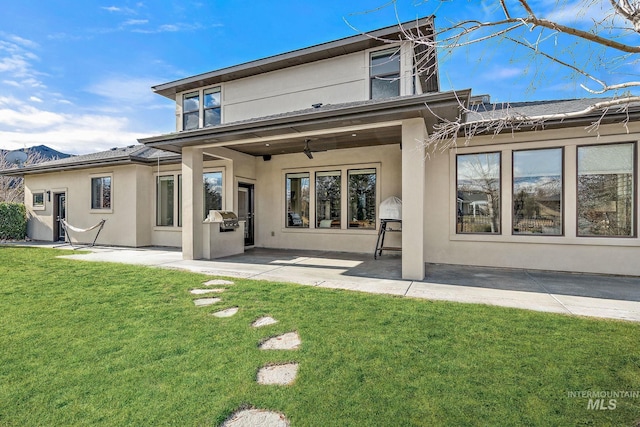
227, 219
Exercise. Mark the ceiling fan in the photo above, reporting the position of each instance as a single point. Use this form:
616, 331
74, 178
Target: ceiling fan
307, 149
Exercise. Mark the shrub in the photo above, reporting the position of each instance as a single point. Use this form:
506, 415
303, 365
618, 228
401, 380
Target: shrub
13, 221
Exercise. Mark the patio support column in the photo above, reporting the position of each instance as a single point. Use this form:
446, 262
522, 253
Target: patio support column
192, 203
414, 133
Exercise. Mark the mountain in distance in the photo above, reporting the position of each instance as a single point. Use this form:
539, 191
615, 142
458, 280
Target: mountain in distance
42, 152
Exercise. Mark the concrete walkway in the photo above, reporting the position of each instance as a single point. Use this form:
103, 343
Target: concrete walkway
614, 297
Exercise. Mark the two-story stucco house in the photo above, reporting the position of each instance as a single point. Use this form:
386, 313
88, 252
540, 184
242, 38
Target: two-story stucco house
304, 146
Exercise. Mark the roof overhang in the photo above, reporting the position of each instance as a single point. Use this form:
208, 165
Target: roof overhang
335, 125
302, 56
115, 161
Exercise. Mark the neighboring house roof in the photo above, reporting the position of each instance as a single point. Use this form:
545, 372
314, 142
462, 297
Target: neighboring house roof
487, 111
423, 26
132, 154
292, 124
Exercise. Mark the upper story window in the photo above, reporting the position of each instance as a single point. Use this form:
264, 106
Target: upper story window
191, 111
606, 190
202, 108
101, 192
384, 73
212, 107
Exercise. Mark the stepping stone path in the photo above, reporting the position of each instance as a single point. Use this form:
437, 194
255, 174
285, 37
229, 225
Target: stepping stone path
284, 374
278, 374
255, 418
206, 291
217, 282
288, 341
202, 302
264, 321
226, 313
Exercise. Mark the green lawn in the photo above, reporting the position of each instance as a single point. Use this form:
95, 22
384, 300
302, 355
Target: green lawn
105, 344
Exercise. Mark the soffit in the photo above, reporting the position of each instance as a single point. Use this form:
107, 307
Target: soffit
297, 125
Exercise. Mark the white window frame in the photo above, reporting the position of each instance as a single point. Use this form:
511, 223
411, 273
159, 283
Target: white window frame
38, 207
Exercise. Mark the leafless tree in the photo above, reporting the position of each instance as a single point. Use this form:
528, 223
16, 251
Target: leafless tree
12, 187
598, 46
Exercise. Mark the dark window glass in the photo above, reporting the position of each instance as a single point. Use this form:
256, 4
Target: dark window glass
164, 201
385, 74
478, 193
537, 192
606, 192
328, 199
362, 198
212, 107
297, 188
212, 187
190, 111
38, 199
101, 192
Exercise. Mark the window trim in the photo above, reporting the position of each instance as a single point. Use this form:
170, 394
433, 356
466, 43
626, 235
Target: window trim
501, 193
506, 145
343, 168
562, 192
634, 193
111, 191
384, 51
176, 209
201, 108
220, 170
39, 206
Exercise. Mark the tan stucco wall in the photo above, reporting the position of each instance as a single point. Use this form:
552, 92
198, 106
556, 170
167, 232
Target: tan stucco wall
331, 81
565, 253
271, 231
127, 220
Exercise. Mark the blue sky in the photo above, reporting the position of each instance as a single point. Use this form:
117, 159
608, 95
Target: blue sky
76, 74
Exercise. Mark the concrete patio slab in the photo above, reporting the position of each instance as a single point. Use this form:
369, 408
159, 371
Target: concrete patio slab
616, 297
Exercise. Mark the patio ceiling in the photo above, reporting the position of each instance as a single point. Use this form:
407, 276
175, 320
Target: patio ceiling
328, 141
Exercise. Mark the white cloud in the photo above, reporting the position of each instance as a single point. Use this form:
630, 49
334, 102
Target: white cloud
23, 124
35, 99
136, 22
111, 8
125, 91
24, 42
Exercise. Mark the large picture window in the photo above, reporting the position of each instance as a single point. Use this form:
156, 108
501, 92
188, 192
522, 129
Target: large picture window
101, 192
478, 193
212, 187
328, 199
165, 201
362, 198
297, 188
385, 74
537, 192
606, 190
191, 111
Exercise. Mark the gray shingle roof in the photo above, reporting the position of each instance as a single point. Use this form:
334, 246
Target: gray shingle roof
488, 111
120, 155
